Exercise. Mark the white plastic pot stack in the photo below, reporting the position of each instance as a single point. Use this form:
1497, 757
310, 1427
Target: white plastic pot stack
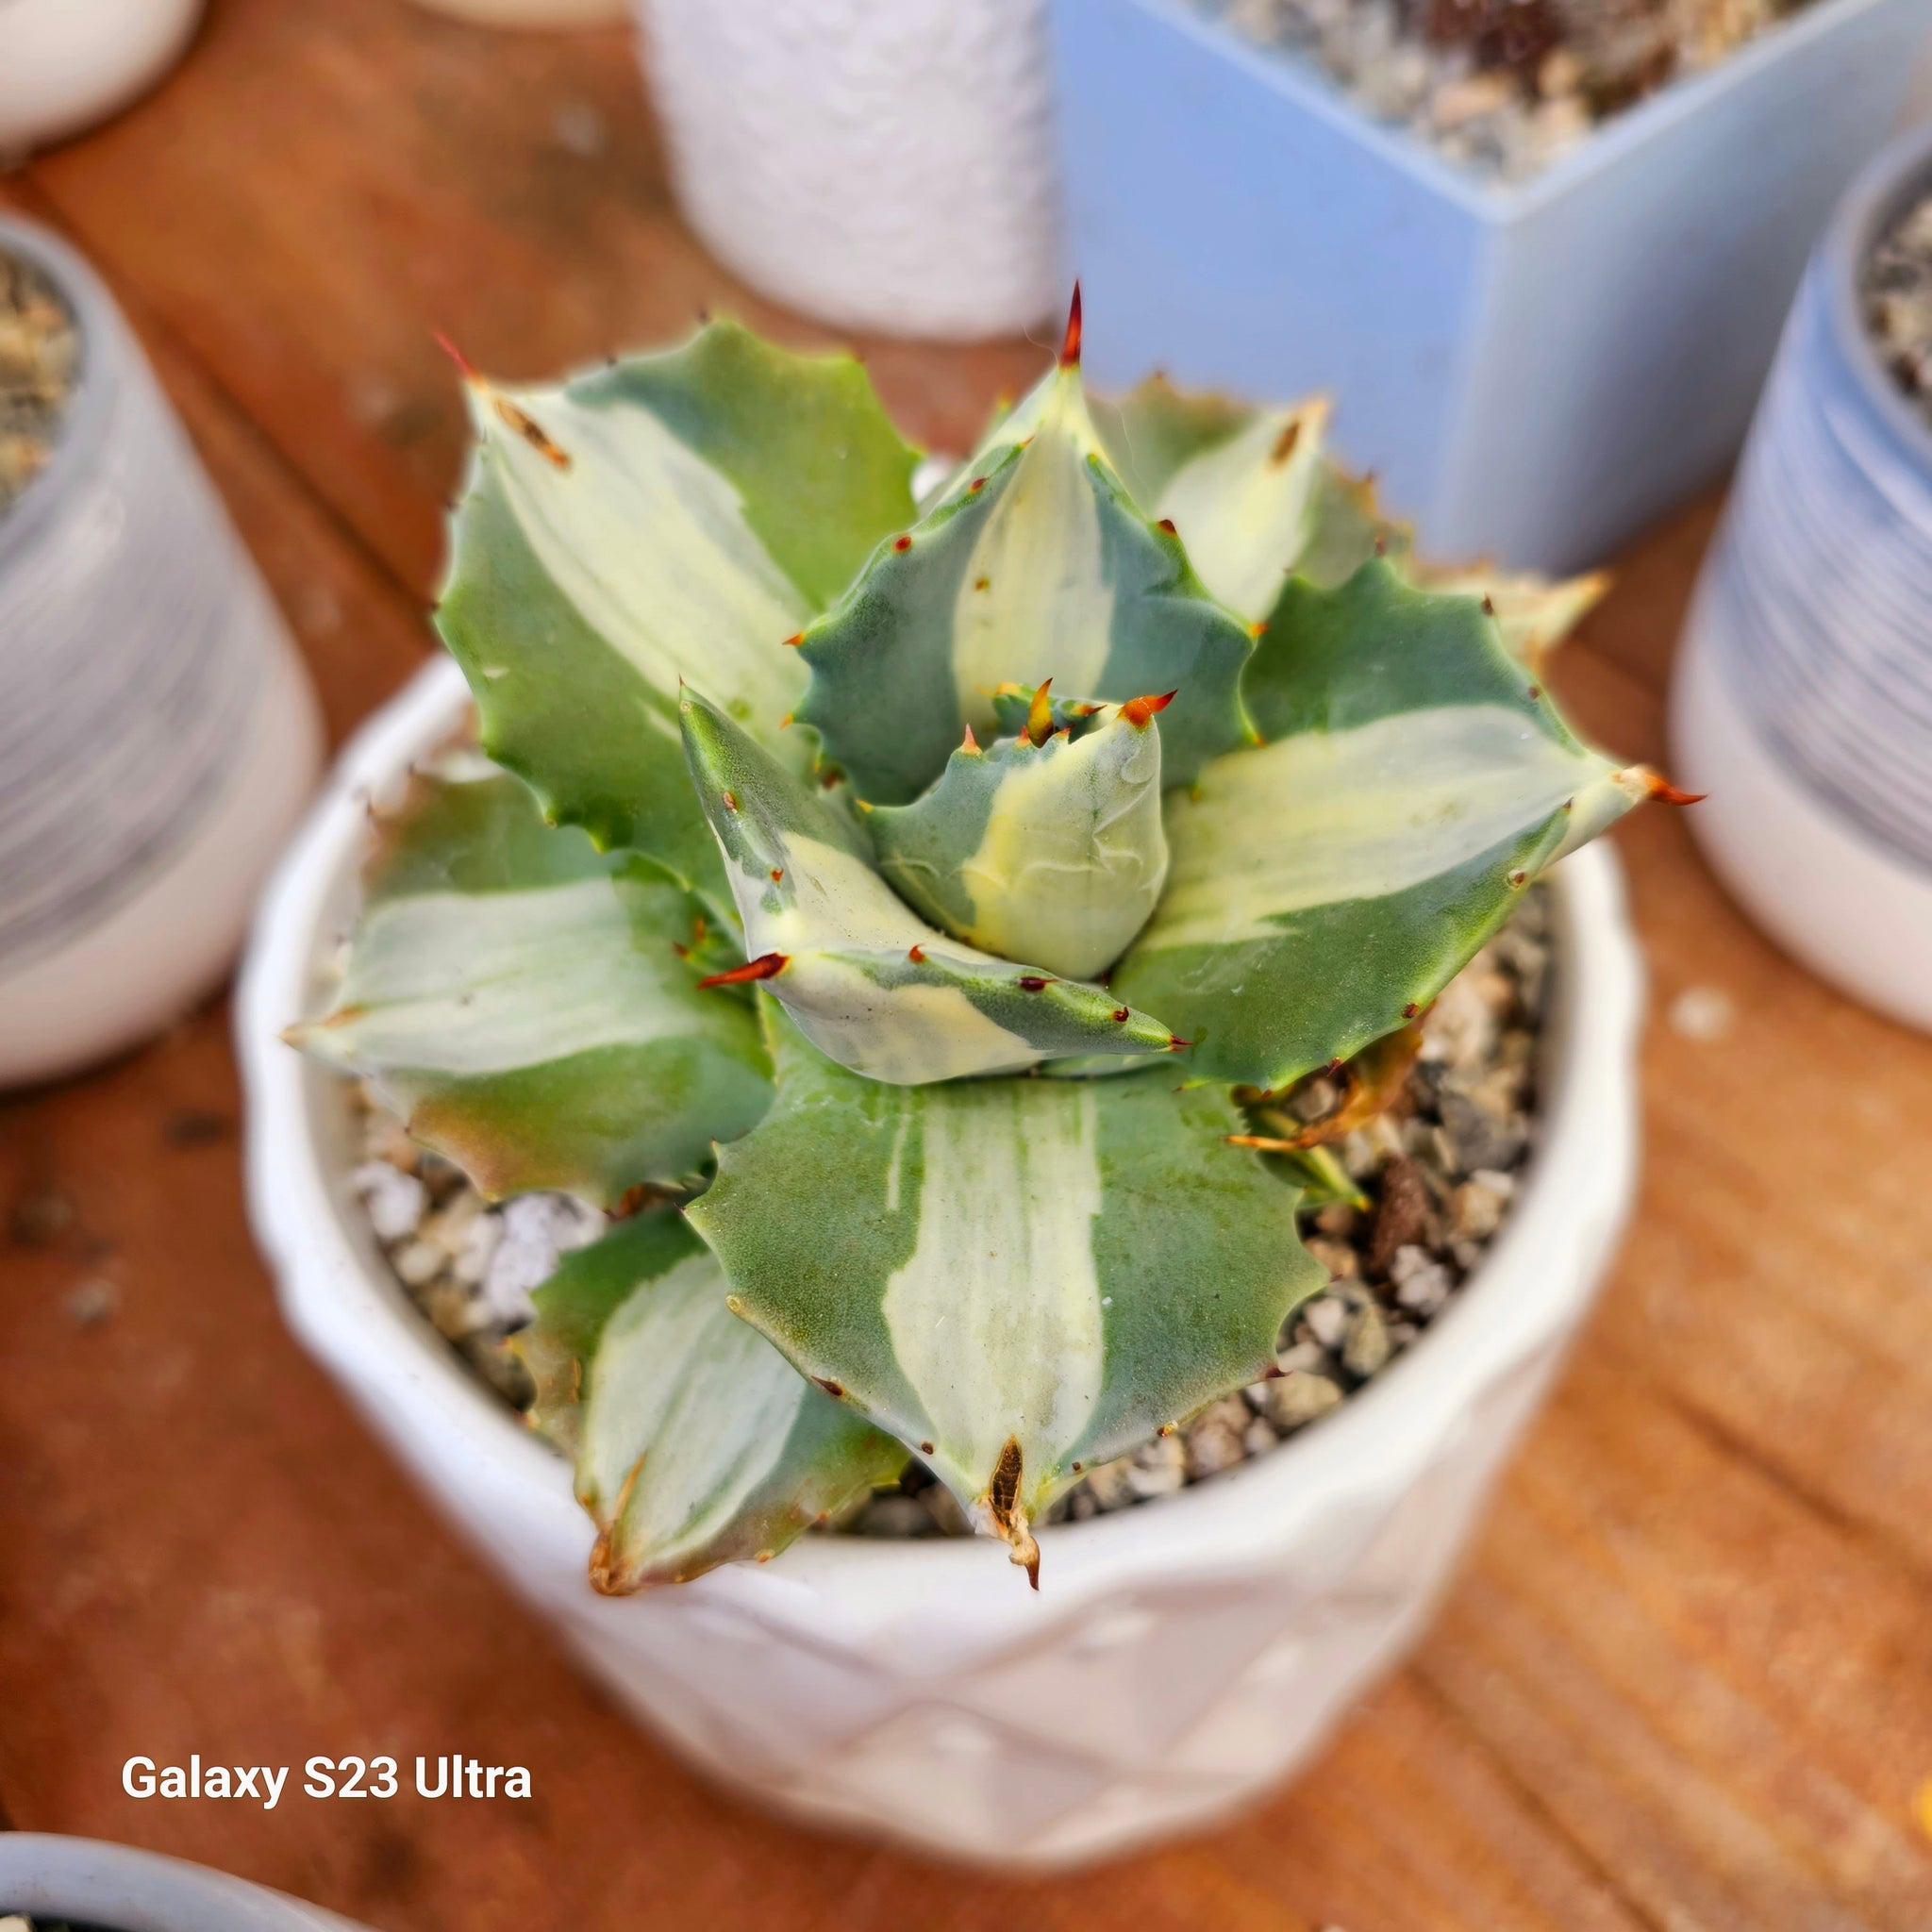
159, 736
1803, 701
881, 164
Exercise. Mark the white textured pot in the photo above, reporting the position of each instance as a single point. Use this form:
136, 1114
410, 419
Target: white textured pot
127, 1890
159, 736
1180, 1657
65, 64
880, 164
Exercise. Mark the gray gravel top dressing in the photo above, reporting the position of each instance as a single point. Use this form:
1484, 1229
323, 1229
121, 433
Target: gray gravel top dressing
1897, 293
1505, 87
40, 362
1440, 1169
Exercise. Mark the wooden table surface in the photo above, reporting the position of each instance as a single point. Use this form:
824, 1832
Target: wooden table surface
1685, 1681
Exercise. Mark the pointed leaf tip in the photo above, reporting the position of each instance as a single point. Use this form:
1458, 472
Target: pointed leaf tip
1140, 712
465, 367
766, 966
1039, 715
1664, 793
1070, 342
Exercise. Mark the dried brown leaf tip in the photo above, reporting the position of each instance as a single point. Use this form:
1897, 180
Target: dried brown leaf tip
1001, 1501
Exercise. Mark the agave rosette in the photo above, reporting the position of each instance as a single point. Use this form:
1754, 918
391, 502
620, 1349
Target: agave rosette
909, 890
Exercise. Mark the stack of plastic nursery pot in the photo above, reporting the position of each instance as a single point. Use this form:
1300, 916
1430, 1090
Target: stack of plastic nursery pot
1534, 368
1803, 702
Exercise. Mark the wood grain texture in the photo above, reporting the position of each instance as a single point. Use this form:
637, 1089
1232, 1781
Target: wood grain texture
1686, 1683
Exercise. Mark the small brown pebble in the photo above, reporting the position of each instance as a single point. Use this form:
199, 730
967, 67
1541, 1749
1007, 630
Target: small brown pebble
1402, 1214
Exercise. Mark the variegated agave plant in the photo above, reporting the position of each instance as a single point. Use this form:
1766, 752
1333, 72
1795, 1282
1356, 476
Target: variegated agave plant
894, 915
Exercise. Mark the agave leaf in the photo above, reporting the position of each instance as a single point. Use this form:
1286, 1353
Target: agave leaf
1052, 852
1018, 1278
591, 1283
672, 516
1257, 497
868, 980
1241, 486
1325, 886
1033, 565
1534, 613
520, 998
695, 1442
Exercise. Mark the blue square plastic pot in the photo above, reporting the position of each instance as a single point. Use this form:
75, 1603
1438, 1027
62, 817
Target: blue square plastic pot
1533, 370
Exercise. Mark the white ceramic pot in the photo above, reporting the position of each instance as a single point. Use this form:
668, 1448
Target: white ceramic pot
65, 64
159, 736
1180, 1657
881, 164
1803, 697
82, 1880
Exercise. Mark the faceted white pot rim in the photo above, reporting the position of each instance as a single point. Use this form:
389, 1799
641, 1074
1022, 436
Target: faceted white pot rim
927, 1606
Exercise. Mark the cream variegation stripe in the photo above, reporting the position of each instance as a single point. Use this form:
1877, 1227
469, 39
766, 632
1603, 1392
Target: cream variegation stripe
651, 545
995, 1317
482, 983
1324, 817
1035, 602
1074, 853
901, 1035
688, 1412
1245, 509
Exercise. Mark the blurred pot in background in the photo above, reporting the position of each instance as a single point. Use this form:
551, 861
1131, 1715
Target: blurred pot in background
65, 64
160, 734
1533, 368
883, 165
81, 1881
1803, 701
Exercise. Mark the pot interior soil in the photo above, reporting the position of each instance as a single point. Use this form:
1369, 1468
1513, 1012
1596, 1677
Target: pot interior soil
40, 363
1896, 288
1438, 1174
1503, 86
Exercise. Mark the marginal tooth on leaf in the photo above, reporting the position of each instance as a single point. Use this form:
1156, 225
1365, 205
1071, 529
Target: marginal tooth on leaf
1040, 714
1176, 1045
1140, 712
1032, 982
902, 543
792, 642
1070, 342
969, 742
1167, 524
1285, 443
766, 966
916, 954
